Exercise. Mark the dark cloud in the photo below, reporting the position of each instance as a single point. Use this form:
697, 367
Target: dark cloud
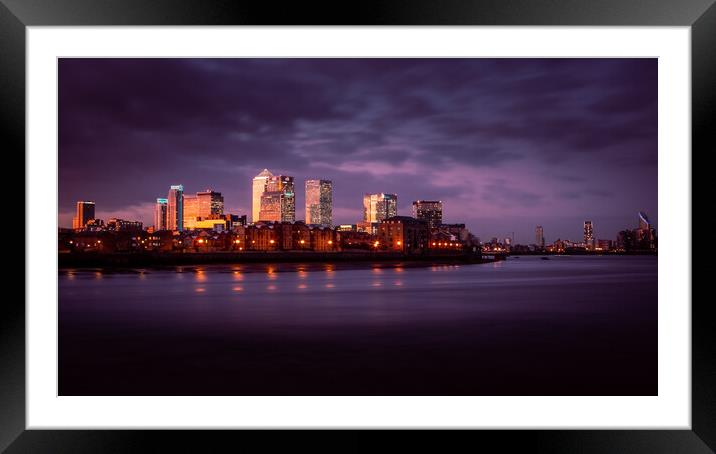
517, 139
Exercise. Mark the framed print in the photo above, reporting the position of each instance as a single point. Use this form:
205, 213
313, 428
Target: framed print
394, 218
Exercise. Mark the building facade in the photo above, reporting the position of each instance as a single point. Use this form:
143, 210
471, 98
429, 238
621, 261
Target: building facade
430, 211
209, 204
191, 212
278, 201
377, 207
175, 208
403, 234
122, 225
588, 234
83, 214
258, 188
160, 214
319, 202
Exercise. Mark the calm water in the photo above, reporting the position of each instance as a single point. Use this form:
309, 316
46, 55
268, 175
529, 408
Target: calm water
564, 326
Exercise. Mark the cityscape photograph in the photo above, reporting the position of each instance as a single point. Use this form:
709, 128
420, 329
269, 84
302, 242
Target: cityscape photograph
362, 226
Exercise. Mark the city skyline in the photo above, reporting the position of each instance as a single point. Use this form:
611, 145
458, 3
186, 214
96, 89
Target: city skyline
581, 145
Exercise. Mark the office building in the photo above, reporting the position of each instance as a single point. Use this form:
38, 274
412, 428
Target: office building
175, 208
259, 187
278, 202
191, 212
84, 213
319, 202
377, 207
588, 234
160, 214
209, 203
430, 211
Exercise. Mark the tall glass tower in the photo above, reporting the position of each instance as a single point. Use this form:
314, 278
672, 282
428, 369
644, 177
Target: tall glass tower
175, 208
259, 187
85, 212
278, 201
319, 202
588, 233
160, 214
377, 207
430, 211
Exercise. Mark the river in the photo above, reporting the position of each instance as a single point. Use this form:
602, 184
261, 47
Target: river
569, 325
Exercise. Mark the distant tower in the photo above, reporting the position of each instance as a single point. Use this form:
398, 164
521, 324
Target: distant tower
539, 236
259, 187
644, 223
588, 233
319, 202
430, 211
160, 214
278, 201
377, 207
84, 213
209, 203
175, 208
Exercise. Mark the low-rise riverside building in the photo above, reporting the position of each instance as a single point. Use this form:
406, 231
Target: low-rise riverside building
404, 234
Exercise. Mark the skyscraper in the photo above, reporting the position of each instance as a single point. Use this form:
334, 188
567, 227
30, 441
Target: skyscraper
319, 202
539, 236
377, 207
160, 214
278, 201
190, 213
644, 223
175, 208
645, 234
84, 213
430, 211
210, 203
588, 233
259, 187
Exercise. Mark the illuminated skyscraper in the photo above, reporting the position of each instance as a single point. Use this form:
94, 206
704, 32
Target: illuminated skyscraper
190, 211
645, 234
430, 211
160, 214
278, 201
84, 213
588, 233
377, 207
175, 208
201, 207
539, 236
211, 203
259, 187
319, 202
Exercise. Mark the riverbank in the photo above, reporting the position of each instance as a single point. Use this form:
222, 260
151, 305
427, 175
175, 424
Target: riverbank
133, 260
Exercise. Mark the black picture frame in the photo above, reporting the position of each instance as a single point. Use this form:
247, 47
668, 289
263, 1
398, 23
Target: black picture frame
16, 15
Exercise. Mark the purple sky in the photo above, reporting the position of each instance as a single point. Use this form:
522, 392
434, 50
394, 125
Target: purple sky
506, 144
